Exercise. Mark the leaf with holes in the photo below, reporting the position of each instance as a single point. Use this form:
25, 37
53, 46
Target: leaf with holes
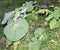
54, 19
54, 24
56, 14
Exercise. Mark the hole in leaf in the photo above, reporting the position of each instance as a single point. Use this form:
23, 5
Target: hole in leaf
57, 20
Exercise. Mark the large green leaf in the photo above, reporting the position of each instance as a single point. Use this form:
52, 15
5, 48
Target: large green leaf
17, 30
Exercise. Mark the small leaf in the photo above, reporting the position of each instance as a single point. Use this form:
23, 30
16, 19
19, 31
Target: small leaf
7, 16
31, 16
8, 42
56, 14
49, 17
39, 31
54, 24
17, 13
28, 6
34, 46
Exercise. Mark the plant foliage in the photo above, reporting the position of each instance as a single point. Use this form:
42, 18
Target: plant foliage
31, 29
54, 19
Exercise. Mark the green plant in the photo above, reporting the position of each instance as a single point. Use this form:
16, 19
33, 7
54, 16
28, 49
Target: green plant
54, 19
27, 29
16, 28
